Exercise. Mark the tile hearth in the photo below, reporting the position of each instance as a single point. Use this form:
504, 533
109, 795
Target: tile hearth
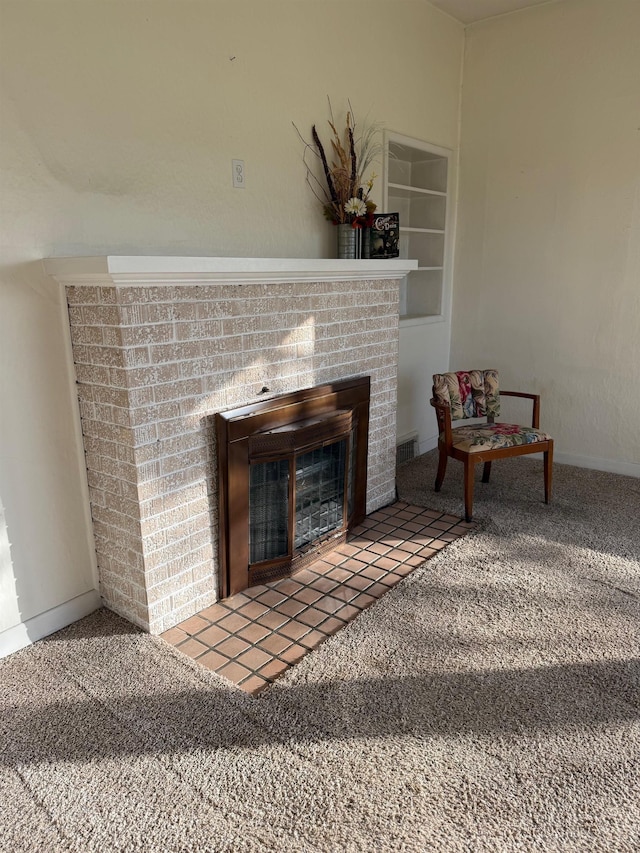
255, 636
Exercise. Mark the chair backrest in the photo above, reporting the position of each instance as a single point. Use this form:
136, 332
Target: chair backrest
469, 393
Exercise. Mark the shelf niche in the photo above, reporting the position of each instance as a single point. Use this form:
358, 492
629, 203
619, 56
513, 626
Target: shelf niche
417, 184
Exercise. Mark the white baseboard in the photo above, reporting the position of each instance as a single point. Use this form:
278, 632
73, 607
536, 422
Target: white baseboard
13, 639
613, 466
428, 444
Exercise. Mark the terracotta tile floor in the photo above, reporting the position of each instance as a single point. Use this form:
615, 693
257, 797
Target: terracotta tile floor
253, 637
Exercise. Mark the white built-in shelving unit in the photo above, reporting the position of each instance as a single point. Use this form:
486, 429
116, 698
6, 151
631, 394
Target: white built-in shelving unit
420, 183
417, 185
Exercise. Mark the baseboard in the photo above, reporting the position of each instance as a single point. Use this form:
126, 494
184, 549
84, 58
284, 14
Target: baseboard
13, 639
613, 466
428, 444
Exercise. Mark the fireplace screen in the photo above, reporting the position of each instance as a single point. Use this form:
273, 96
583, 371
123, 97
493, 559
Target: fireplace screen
292, 480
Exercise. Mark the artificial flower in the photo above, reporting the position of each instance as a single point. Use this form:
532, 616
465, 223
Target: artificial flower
356, 207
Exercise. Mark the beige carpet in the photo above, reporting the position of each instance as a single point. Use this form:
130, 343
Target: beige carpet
491, 701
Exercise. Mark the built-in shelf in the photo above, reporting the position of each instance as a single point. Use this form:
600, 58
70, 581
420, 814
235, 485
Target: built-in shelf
407, 229
420, 320
416, 186
402, 190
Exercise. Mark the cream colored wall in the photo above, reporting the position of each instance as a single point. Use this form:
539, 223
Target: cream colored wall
547, 284
119, 123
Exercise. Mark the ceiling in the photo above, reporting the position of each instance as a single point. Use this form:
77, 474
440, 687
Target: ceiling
469, 11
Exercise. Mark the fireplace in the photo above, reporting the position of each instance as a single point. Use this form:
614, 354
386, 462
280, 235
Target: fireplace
160, 345
292, 476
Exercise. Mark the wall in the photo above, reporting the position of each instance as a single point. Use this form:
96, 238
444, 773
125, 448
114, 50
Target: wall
119, 123
548, 260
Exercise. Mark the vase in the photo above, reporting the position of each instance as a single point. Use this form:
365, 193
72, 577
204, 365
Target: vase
353, 242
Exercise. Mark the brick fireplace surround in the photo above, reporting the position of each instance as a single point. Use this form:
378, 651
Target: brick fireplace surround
160, 344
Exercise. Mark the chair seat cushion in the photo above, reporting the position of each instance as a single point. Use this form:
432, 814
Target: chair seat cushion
474, 438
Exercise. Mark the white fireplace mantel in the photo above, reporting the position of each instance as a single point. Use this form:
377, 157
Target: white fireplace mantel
137, 269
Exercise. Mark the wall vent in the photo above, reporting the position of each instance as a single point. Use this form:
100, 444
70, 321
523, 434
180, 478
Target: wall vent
406, 448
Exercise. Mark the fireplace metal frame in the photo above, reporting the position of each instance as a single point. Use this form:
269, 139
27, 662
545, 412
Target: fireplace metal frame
312, 417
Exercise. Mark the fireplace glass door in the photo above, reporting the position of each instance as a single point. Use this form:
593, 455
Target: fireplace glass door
268, 511
319, 490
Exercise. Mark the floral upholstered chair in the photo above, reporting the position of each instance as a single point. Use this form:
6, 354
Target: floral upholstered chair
475, 394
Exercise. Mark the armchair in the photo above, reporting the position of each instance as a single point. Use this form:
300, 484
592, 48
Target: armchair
475, 394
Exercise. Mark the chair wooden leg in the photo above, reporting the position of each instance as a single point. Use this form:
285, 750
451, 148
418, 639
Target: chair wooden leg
548, 472
468, 488
442, 469
486, 472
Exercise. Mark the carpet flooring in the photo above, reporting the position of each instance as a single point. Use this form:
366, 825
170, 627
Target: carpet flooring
489, 702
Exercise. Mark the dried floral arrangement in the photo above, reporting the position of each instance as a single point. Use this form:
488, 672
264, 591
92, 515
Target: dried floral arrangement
344, 195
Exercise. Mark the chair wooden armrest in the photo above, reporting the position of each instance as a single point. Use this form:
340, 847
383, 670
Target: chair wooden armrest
443, 413
535, 420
